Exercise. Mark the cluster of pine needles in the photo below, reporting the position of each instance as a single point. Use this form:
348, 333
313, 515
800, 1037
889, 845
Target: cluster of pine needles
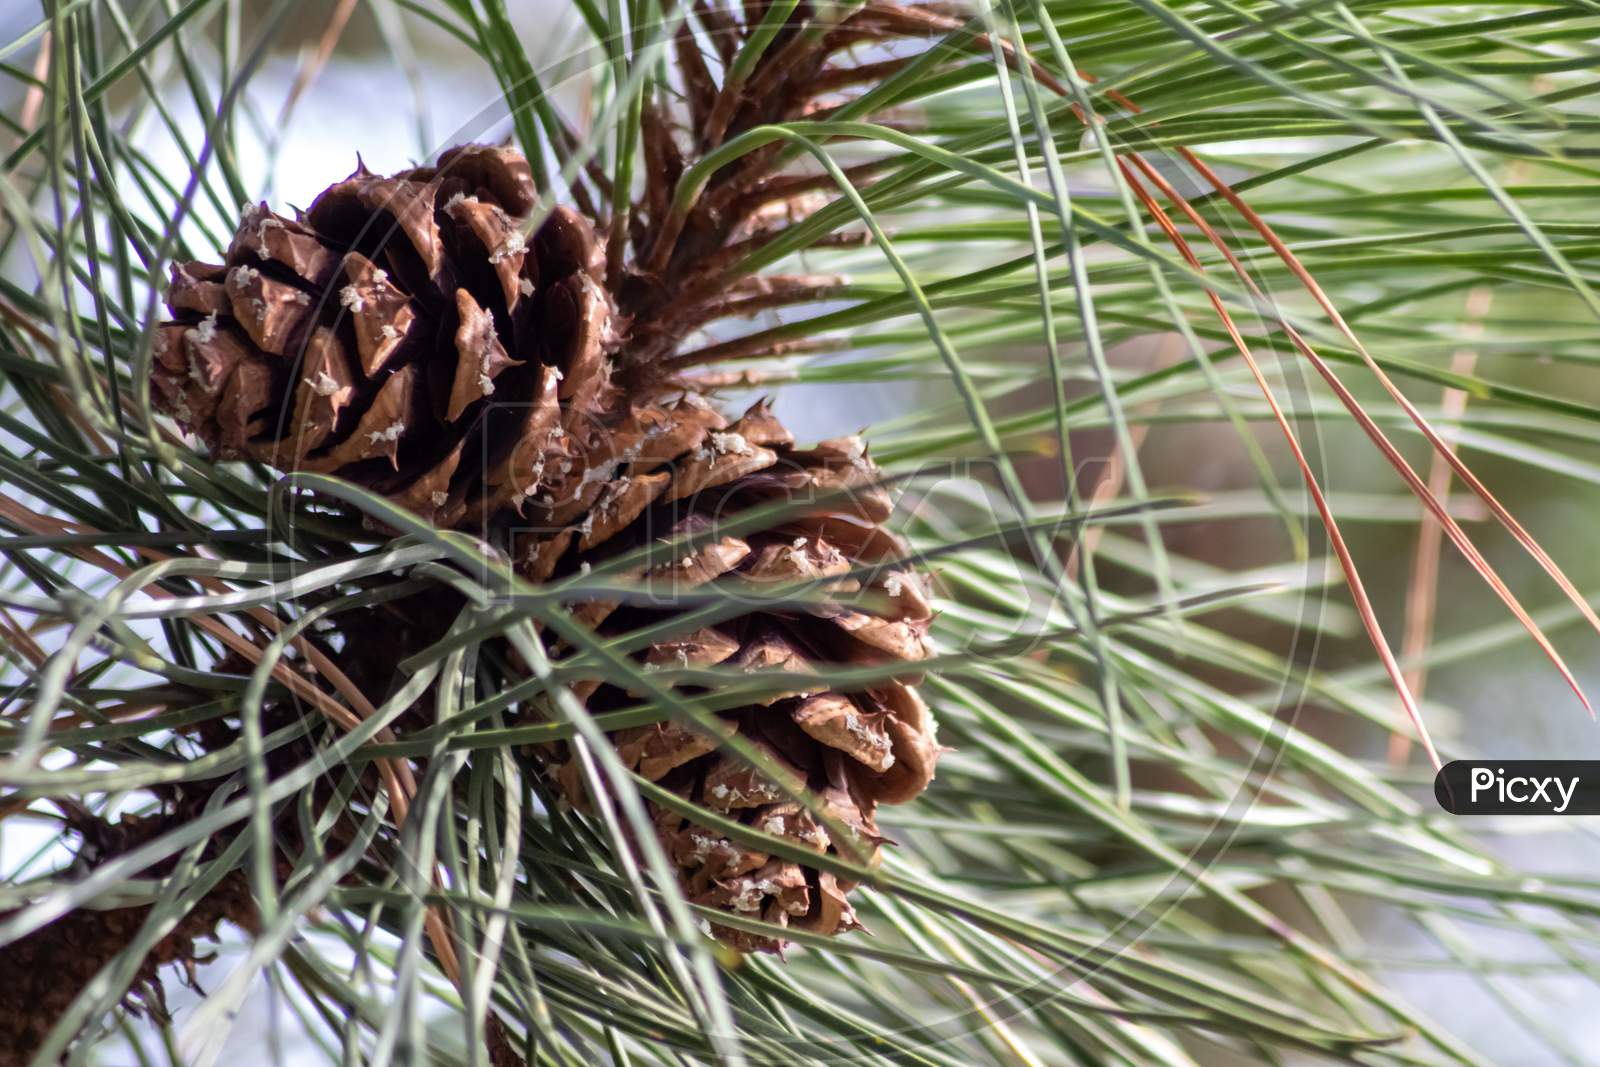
1189, 752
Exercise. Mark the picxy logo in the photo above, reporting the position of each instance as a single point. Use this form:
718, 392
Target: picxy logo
1519, 787
1522, 789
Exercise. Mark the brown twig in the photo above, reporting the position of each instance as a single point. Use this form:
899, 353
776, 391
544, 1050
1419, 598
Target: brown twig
312, 67
721, 28
777, 292
699, 87
710, 276
33, 101
832, 79
755, 346
20, 639
1422, 590
749, 378
663, 161
922, 22
1116, 469
789, 186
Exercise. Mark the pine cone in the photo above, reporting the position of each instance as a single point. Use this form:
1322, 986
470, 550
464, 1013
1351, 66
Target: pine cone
402, 335
42, 973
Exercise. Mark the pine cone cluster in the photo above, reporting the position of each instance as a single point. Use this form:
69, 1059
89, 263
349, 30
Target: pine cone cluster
404, 334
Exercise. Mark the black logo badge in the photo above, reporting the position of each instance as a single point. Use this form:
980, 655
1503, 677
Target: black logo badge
1519, 787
